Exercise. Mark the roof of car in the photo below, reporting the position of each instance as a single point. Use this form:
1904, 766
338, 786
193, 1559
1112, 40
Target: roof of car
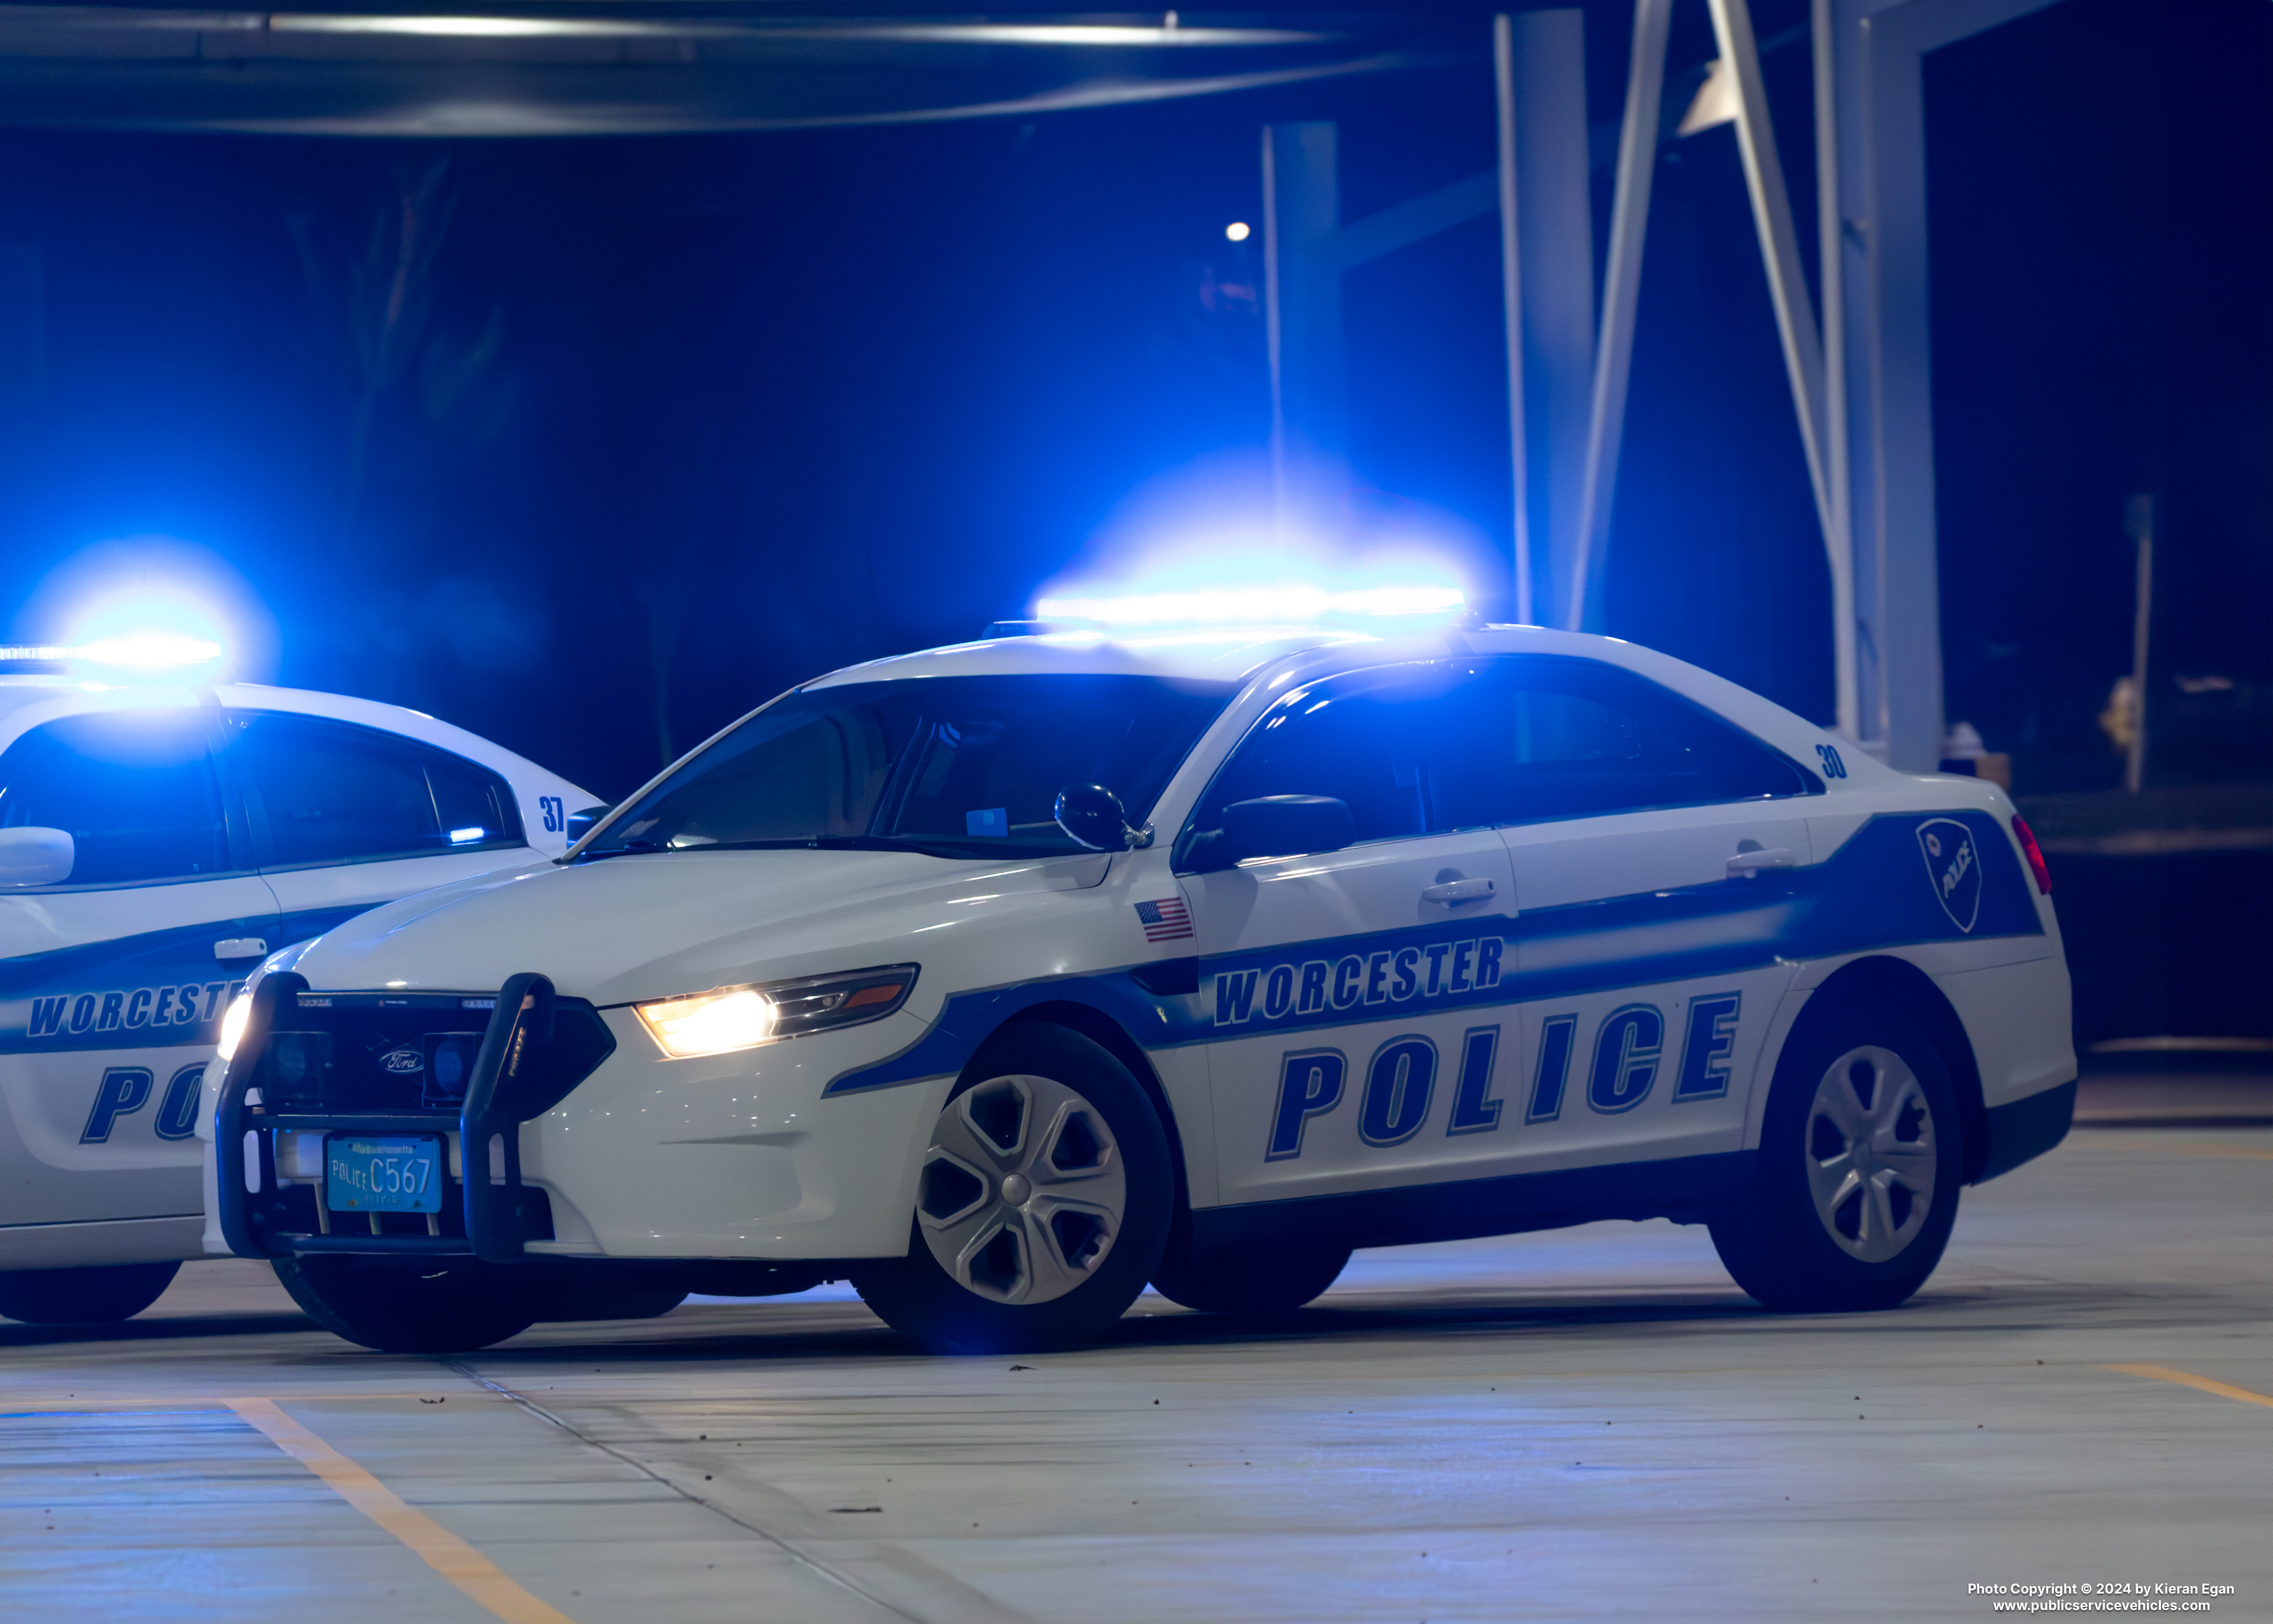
1235, 655
1187, 655
43, 689
27, 700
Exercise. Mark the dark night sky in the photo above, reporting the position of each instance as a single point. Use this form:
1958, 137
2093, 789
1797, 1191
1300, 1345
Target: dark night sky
746, 409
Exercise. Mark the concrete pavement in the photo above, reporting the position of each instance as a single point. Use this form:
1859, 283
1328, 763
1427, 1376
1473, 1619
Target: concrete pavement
1573, 1425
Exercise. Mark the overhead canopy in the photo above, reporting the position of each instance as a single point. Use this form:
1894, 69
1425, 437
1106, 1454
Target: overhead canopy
630, 69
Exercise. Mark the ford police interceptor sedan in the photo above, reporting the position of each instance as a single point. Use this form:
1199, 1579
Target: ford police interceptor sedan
155, 843
1003, 979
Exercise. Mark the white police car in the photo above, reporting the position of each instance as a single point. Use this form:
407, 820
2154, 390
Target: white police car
155, 843
1004, 978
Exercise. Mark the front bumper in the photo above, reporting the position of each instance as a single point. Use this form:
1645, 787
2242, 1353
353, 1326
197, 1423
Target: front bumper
266, 1215
738, 1156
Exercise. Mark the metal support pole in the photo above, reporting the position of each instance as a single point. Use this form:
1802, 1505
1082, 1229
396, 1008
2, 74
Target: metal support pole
2140, 521
1511, 275
1302, 287
1273, 338
1621, 291
1878, 50
1839, 532
1795, 314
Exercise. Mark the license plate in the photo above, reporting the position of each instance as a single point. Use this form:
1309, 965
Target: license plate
404, 1173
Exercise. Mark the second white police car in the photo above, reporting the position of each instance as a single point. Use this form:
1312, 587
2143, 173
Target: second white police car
1003, 979
156, 840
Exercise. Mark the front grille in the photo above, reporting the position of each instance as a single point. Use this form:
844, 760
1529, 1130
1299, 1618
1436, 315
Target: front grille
356, 1051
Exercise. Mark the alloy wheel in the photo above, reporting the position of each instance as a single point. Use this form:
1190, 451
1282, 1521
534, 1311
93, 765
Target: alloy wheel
1023, 1192
1871, 1154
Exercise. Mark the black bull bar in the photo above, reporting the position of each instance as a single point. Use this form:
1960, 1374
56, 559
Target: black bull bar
502, 1092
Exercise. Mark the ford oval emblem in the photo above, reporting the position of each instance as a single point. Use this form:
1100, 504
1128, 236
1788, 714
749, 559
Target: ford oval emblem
401, 1062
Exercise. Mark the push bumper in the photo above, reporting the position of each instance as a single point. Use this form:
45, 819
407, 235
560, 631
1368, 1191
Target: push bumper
262, 1216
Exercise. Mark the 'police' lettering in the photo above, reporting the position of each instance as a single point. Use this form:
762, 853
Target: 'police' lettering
1626, 1051
1712, 1041
124, 1090
1473, 1110
177, 1112
1397, 1089
1309, 1085
1557, 1037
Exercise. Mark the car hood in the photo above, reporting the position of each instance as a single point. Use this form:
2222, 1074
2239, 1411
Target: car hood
650, 926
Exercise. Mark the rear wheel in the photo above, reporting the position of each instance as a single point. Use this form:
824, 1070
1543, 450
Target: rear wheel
83, 1296
412, 1305
1268, 1280
1042, 1206
1860, 1162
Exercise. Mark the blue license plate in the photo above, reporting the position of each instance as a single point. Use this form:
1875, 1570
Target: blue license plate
403, 1173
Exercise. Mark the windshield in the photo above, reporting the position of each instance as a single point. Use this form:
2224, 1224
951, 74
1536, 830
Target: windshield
957, 766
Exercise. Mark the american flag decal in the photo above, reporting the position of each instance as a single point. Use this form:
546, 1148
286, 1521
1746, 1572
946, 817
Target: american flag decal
1167, 920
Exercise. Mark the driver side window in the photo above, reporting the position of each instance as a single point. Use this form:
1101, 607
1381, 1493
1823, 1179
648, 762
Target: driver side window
135, 790
1365, 742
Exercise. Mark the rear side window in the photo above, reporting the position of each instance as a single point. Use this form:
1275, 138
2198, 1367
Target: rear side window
1548, 737
330, 792
136, 791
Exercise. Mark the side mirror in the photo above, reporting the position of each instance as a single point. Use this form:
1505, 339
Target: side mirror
36, 856
581, 823
1285, 826
1092, 816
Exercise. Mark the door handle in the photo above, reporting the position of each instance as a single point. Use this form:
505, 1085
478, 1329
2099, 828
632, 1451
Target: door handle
1452, 893
240, 947
1747, 865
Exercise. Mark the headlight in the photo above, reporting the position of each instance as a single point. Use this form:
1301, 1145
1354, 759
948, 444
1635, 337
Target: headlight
730, 1018
708, 1023
232, 1025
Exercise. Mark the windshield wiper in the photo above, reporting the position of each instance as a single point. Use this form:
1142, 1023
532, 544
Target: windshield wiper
627, 849
928, 847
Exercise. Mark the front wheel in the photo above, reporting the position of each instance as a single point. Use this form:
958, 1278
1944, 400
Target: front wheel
83, 1296
1860, 1161
412, 1305
1042, 1206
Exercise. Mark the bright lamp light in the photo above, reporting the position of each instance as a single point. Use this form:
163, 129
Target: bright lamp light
708, 1023
232, 1025
1289, 602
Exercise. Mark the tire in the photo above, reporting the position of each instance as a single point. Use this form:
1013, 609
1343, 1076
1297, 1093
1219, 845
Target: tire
1824, 1231
1274, 1281
1042, 1206
83, 1296
451, 1305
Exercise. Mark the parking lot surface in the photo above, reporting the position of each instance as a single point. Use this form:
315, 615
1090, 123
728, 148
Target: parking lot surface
1587, 1424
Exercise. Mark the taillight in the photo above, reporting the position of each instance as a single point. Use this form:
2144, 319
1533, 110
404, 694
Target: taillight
2033, 852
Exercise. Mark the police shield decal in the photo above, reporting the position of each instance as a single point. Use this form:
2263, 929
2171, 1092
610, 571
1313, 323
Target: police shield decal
1953, 864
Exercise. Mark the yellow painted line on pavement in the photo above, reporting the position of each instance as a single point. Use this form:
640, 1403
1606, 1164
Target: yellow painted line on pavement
71, 1405
2247, 1153
443, 1551
2187, 1378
